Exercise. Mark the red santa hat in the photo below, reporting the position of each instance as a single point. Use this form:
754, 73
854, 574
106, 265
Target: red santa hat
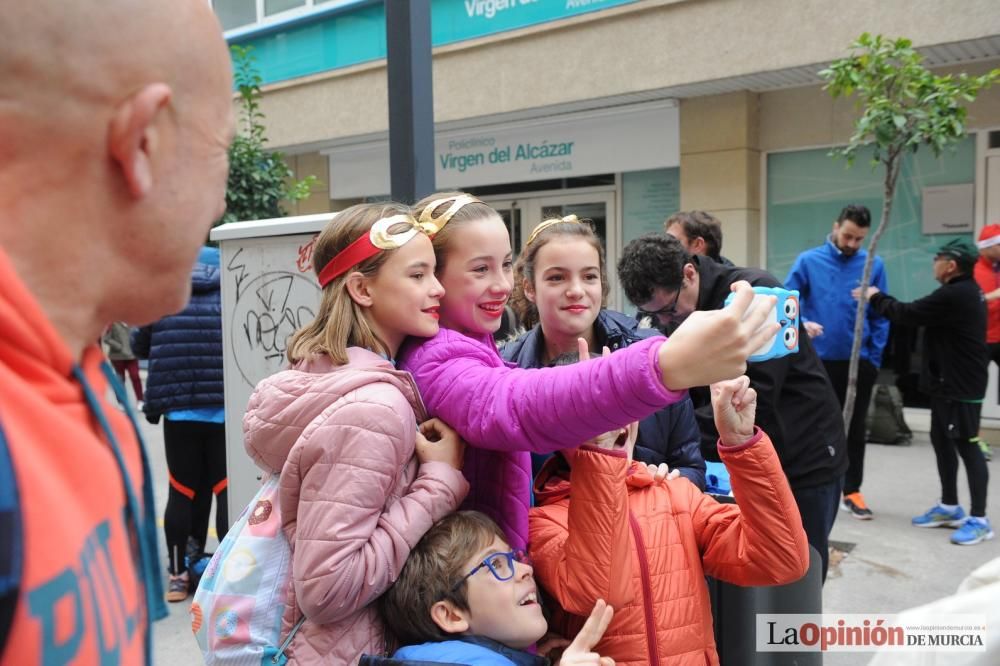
989, 236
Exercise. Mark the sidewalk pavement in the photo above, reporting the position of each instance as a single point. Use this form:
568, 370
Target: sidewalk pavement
889, 566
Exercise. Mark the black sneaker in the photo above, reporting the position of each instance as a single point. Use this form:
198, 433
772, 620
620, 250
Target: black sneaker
855, 505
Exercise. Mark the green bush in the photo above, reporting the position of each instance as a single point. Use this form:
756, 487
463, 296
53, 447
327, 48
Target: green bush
259, 179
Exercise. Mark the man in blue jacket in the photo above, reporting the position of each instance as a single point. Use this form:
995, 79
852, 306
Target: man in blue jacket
824, 277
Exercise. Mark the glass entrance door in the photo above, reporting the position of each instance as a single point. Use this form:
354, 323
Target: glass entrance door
522, 214
511, 215
599, 207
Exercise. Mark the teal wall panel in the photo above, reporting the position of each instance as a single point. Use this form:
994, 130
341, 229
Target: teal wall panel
649, 198
356, 33
335, 41
458, 20
807, 189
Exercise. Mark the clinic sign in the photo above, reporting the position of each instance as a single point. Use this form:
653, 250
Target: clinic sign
632, 138
459, 20
541, 156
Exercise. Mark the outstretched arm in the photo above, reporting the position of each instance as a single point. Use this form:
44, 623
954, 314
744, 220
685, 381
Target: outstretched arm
878, 326
929, 310
761, 542
543, 410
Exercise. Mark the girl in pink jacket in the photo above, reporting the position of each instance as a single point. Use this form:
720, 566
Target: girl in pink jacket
504, 412
359, 484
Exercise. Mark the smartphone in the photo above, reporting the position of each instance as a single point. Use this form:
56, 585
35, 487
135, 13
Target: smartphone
786, 312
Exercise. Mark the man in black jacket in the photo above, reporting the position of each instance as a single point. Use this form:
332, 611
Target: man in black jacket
953, 374
796, 404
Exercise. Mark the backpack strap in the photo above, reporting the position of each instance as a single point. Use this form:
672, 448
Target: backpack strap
11, 542
279, 657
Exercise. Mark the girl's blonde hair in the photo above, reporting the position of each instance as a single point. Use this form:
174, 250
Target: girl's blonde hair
470, 212
524, 267
340, 322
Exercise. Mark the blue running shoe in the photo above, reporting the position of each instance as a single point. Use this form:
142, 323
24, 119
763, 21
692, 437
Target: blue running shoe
972, 531
938, 516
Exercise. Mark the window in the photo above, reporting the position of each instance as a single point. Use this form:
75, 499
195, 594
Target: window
235, 14
272, 7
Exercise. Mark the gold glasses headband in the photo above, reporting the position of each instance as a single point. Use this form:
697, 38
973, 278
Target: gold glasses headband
430, 224
573, 219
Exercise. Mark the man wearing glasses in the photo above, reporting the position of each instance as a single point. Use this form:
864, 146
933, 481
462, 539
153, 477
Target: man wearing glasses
796, 405
953, 374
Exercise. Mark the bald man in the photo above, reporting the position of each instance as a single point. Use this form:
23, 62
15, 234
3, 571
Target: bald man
115, 118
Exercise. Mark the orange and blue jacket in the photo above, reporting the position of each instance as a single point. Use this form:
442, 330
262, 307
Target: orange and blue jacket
82, 597
606, 530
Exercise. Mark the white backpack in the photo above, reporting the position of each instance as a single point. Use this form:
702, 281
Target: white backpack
237, 608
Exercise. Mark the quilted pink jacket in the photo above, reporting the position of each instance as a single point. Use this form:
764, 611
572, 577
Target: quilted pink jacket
354, 501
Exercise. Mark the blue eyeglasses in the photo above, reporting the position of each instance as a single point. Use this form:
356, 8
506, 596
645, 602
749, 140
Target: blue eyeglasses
501, 565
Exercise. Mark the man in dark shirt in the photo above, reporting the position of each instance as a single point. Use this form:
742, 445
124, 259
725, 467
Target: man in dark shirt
953, 374
796, 404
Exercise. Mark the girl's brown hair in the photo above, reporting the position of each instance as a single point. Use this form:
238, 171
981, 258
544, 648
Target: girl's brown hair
340, 322
524, 267
473, 211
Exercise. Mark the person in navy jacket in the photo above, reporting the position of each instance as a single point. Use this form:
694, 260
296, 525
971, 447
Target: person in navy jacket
184, 386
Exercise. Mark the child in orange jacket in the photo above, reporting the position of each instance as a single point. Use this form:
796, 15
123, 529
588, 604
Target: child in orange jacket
646, 545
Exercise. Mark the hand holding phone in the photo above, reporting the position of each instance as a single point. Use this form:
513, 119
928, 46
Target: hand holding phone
785, 312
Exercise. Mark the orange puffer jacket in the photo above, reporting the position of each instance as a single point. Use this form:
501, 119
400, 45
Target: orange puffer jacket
646, 546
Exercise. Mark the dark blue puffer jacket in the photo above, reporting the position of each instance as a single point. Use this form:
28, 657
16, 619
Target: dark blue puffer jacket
669, 436
185, 350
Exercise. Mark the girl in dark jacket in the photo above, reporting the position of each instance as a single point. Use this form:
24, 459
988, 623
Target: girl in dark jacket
560, 288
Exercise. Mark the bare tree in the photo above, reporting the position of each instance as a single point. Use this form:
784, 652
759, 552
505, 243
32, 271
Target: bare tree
903, 106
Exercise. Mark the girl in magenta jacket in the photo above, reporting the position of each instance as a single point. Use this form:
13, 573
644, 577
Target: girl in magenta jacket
505, 412
359, 484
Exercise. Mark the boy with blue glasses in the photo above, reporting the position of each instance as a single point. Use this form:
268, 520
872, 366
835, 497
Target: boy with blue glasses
464, 597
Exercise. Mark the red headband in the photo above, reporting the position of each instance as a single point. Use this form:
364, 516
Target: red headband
368, 245
379, 238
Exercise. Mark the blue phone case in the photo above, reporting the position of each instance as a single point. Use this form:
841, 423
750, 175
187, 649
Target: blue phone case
786, 312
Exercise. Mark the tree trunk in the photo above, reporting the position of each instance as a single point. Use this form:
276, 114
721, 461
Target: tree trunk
892, 168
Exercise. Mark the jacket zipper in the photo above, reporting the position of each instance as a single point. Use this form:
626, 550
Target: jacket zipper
647, 609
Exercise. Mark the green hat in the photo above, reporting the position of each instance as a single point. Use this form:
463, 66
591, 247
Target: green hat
961, 250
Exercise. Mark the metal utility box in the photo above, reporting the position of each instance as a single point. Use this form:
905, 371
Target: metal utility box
269, 290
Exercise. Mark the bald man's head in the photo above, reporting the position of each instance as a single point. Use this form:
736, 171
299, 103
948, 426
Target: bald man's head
59, 58
115, 119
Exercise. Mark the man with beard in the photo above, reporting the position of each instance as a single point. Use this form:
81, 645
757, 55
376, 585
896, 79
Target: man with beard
796, 405
824, 277
115, 122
